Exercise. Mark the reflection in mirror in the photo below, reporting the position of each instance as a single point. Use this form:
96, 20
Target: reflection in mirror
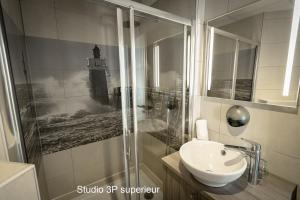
252, 54
245, 71
221, 65
231, 64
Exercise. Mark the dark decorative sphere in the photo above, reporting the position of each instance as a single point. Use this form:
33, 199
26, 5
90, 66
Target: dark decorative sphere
237, 116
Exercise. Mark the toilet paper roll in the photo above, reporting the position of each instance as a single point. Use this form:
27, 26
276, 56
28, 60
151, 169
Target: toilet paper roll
201, 129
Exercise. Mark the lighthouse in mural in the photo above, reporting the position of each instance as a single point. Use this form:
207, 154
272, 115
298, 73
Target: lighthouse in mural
97, 77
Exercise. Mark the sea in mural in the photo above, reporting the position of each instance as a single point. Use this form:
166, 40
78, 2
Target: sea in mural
76, 91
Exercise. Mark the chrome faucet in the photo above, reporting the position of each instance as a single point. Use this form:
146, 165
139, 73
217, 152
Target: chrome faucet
254, 154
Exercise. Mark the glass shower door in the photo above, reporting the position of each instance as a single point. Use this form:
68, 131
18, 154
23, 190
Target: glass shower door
126, 93
154, 72
153, 82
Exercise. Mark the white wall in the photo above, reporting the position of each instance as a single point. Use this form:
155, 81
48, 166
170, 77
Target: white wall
82, 165
71, 20
278, 133
214, 8
273, 57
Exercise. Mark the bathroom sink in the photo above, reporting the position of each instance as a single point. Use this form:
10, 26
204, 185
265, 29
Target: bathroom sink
210, 164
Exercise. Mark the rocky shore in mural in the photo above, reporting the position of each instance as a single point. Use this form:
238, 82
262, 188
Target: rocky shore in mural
222, 89
62, 132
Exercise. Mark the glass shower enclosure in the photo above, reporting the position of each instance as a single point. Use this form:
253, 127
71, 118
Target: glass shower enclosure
107, 92
153, 50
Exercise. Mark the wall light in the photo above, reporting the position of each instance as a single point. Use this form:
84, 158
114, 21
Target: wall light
188, 61
210, 60
156, 65
292, 48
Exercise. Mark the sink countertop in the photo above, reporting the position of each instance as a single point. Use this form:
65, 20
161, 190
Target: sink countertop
271, 188
9, 170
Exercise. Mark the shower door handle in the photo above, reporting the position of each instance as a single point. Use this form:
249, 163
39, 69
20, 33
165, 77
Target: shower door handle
128, 153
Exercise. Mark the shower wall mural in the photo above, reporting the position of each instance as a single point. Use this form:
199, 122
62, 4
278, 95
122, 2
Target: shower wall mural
73, 56
76, 89
74, 61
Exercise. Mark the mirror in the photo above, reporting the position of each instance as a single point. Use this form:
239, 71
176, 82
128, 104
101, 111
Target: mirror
253, 54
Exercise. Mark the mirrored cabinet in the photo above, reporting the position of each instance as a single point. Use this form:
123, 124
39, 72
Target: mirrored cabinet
251, 54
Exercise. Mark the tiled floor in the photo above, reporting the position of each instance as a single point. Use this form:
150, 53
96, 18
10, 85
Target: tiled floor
145, 181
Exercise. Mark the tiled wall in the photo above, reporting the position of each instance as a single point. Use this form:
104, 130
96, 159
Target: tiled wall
214, 8
64, 170
250, 27
181, 8
273, 57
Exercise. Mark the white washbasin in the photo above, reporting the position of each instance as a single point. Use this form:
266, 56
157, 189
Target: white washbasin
204, 159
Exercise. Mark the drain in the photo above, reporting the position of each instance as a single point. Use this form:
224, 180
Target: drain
148, 195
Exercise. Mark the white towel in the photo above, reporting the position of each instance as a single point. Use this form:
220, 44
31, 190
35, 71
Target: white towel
201, 129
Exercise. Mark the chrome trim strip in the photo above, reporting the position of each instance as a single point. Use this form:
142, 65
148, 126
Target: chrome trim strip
151, 11
206, 59
184, 83
235, 65
133, 74
257, 53
8, 104
123, 94
192, 82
